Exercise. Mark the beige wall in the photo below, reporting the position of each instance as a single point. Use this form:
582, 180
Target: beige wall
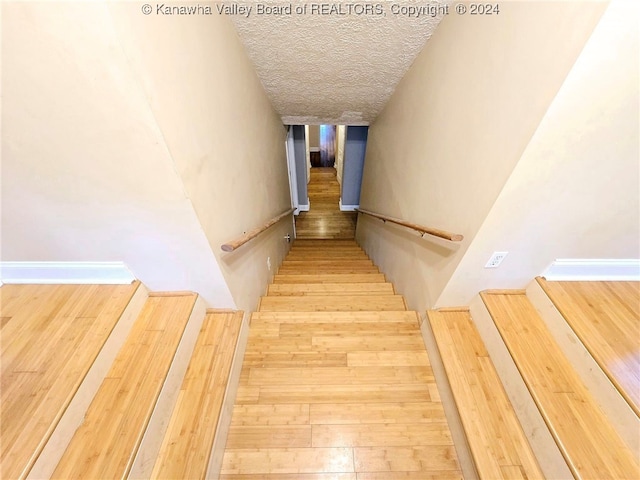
127, 138
227, 141
576, 191
454, 129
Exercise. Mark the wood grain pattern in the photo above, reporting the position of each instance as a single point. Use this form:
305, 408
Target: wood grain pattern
291, 476
331, 289
328, 278
326, 270
324, 219
606, 318
54, 334
333, 303
332, 392
104, 446
189, 439
588, 442
496, 439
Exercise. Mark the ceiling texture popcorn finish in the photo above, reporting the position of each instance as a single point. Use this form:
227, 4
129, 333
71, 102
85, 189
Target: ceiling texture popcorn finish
340, 60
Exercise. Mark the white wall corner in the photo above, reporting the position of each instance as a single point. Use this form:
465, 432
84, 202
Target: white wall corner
110, 273
348, 208
576, 269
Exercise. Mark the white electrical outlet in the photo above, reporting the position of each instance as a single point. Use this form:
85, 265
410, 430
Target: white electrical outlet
496, 259
269, 263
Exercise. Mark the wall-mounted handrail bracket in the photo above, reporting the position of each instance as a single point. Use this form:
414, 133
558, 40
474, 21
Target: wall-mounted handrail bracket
245, 237
453, 237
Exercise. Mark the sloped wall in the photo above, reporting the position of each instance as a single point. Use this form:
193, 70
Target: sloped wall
576, 191
454, 129
140, 138
226, 140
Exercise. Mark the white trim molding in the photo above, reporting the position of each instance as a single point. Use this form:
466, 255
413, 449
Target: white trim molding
348, 208
110, 273
576, 269
304, 208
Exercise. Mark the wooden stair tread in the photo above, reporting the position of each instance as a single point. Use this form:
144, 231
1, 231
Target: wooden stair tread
329, 263
335, 317
495, 436
104, 446
340, 391
311, 252
606, 318
325, 270
278, 289
587, 441
326, 243
316, 303
50, 338
329, 278
187, 444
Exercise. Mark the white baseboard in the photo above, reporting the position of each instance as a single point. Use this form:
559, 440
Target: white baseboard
111, 273
348, 208
304, 208
576, 269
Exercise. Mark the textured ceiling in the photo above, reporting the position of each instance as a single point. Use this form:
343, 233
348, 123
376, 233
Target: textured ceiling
321, 67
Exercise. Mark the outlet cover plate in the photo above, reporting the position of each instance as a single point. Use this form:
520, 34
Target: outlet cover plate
496, 259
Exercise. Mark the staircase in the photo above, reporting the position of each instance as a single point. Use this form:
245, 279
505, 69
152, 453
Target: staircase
336, 382
111, 381
545, 379
102, 381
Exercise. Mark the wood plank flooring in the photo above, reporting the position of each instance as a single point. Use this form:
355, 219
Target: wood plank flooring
324, 219
343, 395
498, 444
51, 335
105, 444
187, 444
587, 441
606, 318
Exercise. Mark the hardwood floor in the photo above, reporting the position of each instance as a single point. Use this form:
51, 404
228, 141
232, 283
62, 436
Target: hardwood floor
329, 394
498, 444
588, 442
51, 334
606, 318
106, 443
324, 219
186, 449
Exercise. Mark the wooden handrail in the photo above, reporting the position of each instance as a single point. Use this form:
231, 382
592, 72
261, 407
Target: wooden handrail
241, 240
454, 237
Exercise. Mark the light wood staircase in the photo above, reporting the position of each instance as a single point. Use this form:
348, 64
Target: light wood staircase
545, 379
103, 381
336, 382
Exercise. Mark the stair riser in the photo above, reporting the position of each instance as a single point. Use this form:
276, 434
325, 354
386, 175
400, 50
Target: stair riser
331, 303
329, 278
154, 434
326, 270
327, 256
544, 447
327, 263
618, 411
334, 317
559, 392
331, 289
74, 414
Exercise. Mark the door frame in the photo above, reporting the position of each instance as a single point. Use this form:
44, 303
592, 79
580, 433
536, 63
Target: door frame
291, 168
